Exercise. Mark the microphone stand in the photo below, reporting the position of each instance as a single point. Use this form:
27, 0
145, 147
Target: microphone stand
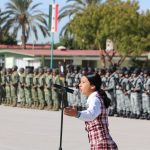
64, 90
63, 104
61, 125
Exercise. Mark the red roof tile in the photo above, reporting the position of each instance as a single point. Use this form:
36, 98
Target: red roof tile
61, 52
28, 46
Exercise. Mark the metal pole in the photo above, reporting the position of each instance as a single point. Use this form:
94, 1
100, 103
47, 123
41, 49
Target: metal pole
52, 47
61, 126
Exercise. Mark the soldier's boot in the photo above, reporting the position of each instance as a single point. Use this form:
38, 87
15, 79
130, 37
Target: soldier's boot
14, 103
132, 115
137, 116
34, 105
3, 101
49, 107
30, 105
148, 117
143, 116
111, 112
128, 114
24, 104
55, 107
27, 105
6, 104
41, 106
124, 114
37, 105
20, 104
10, 102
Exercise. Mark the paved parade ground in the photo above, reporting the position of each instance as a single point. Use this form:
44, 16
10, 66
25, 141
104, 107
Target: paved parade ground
28, 129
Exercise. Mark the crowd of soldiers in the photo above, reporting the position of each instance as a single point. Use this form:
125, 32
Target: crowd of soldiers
128, 89
30, 88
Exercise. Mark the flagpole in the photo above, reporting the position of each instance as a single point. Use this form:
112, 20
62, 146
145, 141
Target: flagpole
52, 48
54, 29
62, 101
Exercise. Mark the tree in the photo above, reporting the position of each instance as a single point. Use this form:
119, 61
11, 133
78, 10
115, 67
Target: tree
24, 16
5, 37
72, 9
116, 20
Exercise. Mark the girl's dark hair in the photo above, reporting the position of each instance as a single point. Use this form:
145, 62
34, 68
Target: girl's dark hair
95, 80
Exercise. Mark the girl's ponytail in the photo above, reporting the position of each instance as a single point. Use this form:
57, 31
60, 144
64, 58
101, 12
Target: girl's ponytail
106, 100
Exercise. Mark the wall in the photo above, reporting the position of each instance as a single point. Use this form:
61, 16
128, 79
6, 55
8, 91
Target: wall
9, 62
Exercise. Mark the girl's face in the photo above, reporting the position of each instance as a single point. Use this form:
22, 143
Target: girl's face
85, 87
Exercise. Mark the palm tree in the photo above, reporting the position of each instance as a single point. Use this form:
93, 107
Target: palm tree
73, 8
3, 18
26, 17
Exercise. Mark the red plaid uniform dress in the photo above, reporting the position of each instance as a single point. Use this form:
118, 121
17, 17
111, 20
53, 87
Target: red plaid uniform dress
98, 132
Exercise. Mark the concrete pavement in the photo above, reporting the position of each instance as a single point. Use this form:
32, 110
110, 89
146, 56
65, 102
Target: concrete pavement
29, 129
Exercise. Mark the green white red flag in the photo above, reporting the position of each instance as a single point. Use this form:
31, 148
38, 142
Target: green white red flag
53, 17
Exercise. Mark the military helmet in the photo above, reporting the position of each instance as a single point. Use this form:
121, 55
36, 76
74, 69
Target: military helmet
136, 71
21, 70
146, 72
120, 71
109, 70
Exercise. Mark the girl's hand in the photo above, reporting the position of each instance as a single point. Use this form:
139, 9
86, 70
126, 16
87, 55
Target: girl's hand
70, 111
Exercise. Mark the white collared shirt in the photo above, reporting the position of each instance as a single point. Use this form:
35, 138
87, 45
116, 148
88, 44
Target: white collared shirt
93, 110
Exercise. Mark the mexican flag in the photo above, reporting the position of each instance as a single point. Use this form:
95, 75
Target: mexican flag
53, 17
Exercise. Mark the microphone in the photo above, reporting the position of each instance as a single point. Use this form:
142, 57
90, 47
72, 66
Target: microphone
66, 89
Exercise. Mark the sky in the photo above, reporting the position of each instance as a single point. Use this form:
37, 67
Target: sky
144, 5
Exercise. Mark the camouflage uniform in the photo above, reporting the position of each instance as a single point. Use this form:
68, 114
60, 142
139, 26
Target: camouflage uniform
41, 83
136, 95
119, 95
56, 93
146, 96
69, 81
126, 93
28, 87
110, 91
21, 87
47, 89
0, 90
8, 87
2, 86
35, 89
14, 85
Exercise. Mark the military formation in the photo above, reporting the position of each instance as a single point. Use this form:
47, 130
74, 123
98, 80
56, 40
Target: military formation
127, 88
30, 88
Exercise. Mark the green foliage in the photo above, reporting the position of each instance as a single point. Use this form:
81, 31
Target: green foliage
25, 16
8, 39
5, 37
73, 8
117, 20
